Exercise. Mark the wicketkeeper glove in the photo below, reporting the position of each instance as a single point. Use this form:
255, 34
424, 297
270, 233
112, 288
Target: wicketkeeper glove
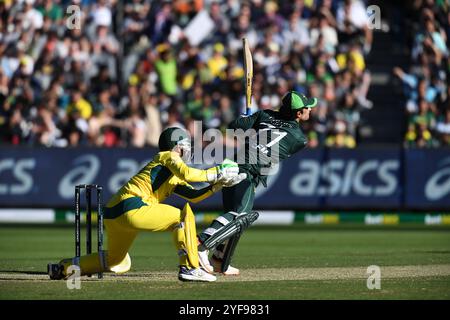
226, 183
216, 187
227, 170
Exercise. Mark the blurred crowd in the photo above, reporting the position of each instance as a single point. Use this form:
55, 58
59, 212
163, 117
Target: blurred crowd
119, 72
426, 82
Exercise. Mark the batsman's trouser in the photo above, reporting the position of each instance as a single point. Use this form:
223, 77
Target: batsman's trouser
122, 231
236, 199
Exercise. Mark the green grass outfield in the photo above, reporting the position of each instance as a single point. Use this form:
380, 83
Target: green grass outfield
297, 262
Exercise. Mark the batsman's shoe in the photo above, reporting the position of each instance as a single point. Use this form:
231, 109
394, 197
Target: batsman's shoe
203, 258
195, 274
55, 271
217, 267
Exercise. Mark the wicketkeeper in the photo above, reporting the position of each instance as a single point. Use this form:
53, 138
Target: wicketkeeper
138, 206
278, 136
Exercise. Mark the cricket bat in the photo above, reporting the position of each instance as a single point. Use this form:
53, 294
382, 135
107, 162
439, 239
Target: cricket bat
248, 69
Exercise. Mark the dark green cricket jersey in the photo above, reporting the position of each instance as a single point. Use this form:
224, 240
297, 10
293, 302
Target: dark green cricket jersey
276, 139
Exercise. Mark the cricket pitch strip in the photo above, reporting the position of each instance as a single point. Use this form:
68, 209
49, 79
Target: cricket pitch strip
260, 274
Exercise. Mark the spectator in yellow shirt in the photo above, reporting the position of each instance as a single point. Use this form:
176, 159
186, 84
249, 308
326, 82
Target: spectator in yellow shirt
80, 105
218, 63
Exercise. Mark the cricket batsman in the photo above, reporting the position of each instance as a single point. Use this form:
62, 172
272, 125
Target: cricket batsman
278, 136
138, 206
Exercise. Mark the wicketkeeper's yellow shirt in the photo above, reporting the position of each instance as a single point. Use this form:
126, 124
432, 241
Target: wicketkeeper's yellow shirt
165, 174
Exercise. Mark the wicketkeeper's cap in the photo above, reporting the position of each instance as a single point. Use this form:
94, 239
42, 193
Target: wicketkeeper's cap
296, 101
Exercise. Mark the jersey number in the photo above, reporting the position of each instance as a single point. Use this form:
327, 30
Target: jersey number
278, 136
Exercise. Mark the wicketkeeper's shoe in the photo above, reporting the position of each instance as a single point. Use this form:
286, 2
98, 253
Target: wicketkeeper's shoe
217, 267
195, 274
203, 258
55, 271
